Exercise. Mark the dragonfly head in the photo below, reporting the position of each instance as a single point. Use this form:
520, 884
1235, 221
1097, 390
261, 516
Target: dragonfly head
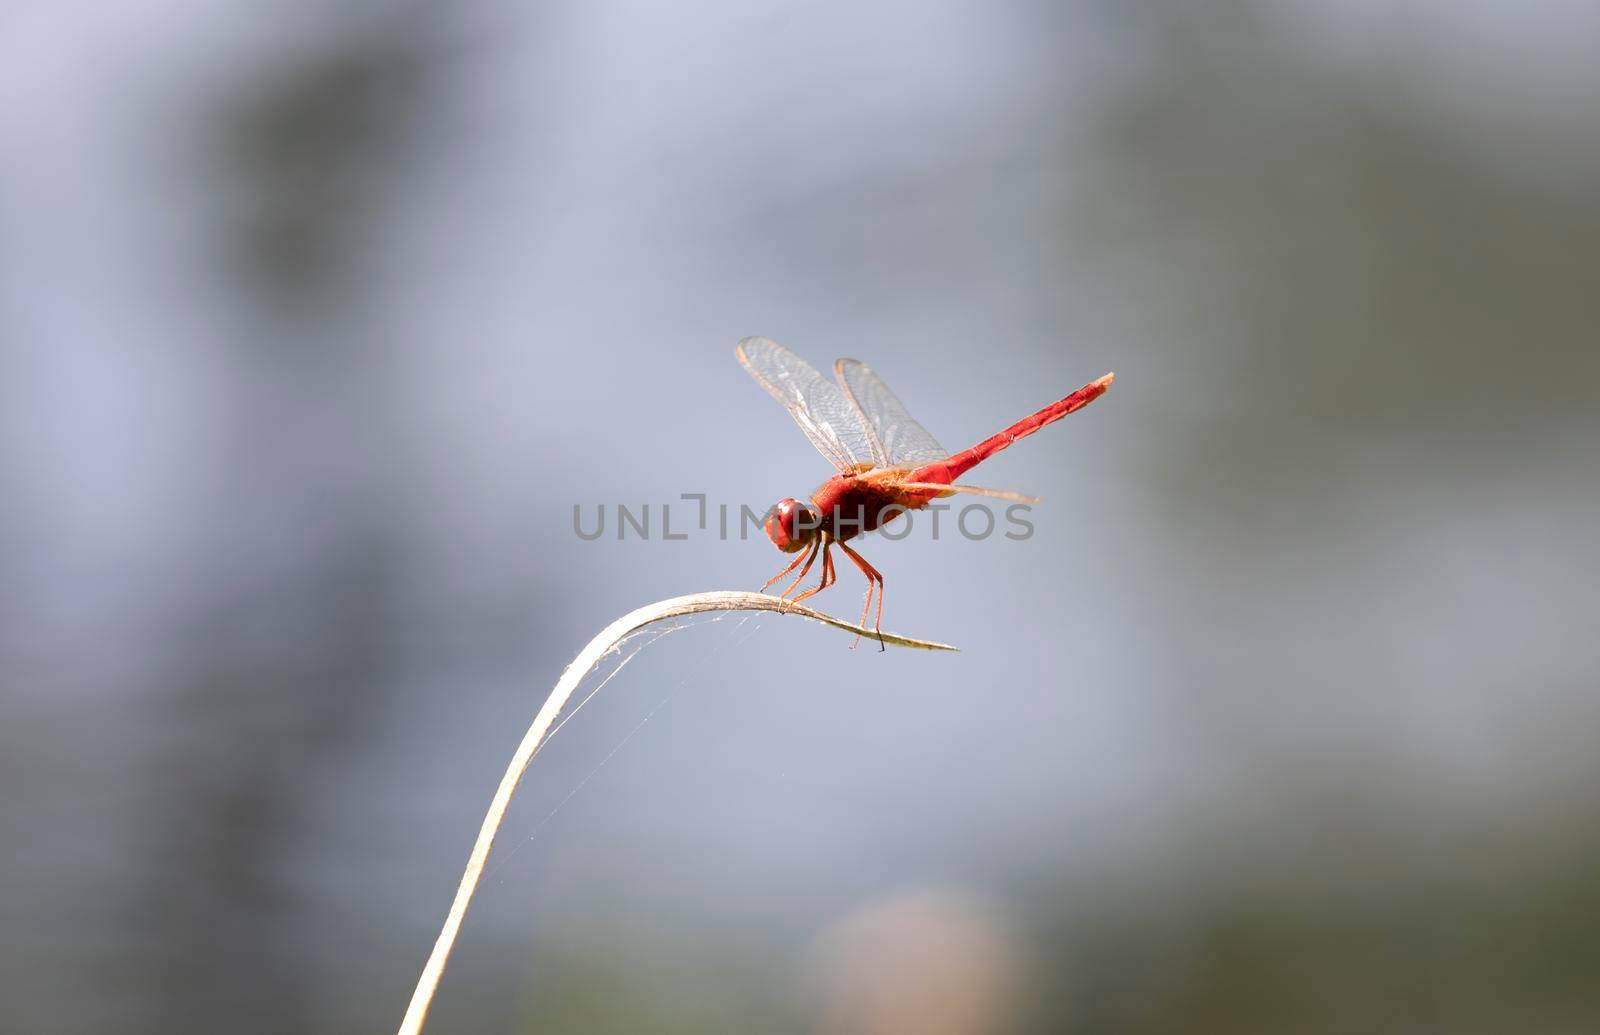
791, 525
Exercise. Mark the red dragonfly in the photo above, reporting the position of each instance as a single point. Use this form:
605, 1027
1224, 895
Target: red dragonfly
888, 464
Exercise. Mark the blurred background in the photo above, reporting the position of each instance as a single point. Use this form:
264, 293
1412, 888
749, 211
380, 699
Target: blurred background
317, 320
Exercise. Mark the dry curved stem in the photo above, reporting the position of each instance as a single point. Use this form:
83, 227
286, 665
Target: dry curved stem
610, 637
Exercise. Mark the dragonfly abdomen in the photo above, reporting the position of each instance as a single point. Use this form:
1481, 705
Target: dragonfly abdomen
947, 471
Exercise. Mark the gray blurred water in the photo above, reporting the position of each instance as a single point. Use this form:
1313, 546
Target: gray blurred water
316, 323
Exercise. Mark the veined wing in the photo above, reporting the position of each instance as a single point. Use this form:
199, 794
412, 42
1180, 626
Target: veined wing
895, 437
829, 419
946, 488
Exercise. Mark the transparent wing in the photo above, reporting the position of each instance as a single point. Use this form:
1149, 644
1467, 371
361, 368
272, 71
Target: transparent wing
945, 489
829, 419
895, 437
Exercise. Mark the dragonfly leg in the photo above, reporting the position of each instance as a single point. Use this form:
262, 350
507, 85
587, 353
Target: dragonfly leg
874, 581
792, 565
810, 556
829, 575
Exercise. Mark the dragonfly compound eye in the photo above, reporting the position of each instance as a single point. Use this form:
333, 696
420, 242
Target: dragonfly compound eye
790, 525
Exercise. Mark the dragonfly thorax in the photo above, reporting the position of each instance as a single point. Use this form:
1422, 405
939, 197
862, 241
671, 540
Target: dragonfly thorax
791, 525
